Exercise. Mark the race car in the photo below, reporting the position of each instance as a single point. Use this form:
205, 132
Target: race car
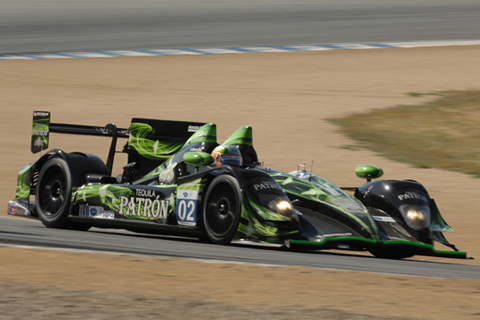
180, 181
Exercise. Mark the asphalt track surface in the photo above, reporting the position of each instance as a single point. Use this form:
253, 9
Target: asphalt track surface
27, 232
32, 26
28, 26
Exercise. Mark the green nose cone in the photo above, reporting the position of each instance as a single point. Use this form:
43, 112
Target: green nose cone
368, 171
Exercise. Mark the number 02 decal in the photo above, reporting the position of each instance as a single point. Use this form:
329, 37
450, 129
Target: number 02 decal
187, 204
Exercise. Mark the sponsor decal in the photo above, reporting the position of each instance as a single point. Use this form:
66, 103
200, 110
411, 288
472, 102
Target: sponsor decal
412, 195
187, 204
145, 193
83, 210
339, 234
201, 134
22, 212
108, 214
38, 142
151, 208
12, 208
187, 194
95, 211
41, 113
265, 185
383, 219
40, 130
193, 128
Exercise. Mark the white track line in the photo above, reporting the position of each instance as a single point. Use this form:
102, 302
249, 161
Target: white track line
200, 51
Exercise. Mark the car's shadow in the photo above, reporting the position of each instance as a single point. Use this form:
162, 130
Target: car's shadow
258, 246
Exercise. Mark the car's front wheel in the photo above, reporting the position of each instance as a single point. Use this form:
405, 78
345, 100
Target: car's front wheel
223, 208
385, 253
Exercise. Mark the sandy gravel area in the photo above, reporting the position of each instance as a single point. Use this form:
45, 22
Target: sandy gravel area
95, 286
287, 98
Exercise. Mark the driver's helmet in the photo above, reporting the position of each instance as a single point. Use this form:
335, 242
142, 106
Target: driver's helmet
228, 155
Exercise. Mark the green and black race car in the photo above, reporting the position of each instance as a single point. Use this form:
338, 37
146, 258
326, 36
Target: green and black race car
180, 181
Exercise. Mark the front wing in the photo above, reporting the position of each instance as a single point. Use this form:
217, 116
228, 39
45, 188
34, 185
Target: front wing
354, 243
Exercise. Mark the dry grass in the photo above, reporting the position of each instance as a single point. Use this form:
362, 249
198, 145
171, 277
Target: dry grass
443, 133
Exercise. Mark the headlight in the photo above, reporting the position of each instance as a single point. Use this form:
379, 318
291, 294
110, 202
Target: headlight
279, 206
416, 216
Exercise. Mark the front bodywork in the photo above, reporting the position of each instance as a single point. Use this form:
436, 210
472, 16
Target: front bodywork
371, 220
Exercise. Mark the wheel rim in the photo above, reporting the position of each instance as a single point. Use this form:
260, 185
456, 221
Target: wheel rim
52, 192
221, 210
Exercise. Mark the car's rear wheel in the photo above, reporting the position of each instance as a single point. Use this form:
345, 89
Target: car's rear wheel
223, 208
53, 195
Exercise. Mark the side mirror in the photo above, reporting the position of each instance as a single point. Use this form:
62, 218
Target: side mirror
368, 171
198, 159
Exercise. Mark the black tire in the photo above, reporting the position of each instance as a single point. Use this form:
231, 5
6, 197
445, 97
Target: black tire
53, 195
221, 214
388, 254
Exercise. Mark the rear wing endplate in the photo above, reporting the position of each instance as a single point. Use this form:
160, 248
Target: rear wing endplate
42, 127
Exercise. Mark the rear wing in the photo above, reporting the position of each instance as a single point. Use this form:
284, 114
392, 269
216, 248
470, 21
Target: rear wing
42, 127
149, 140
